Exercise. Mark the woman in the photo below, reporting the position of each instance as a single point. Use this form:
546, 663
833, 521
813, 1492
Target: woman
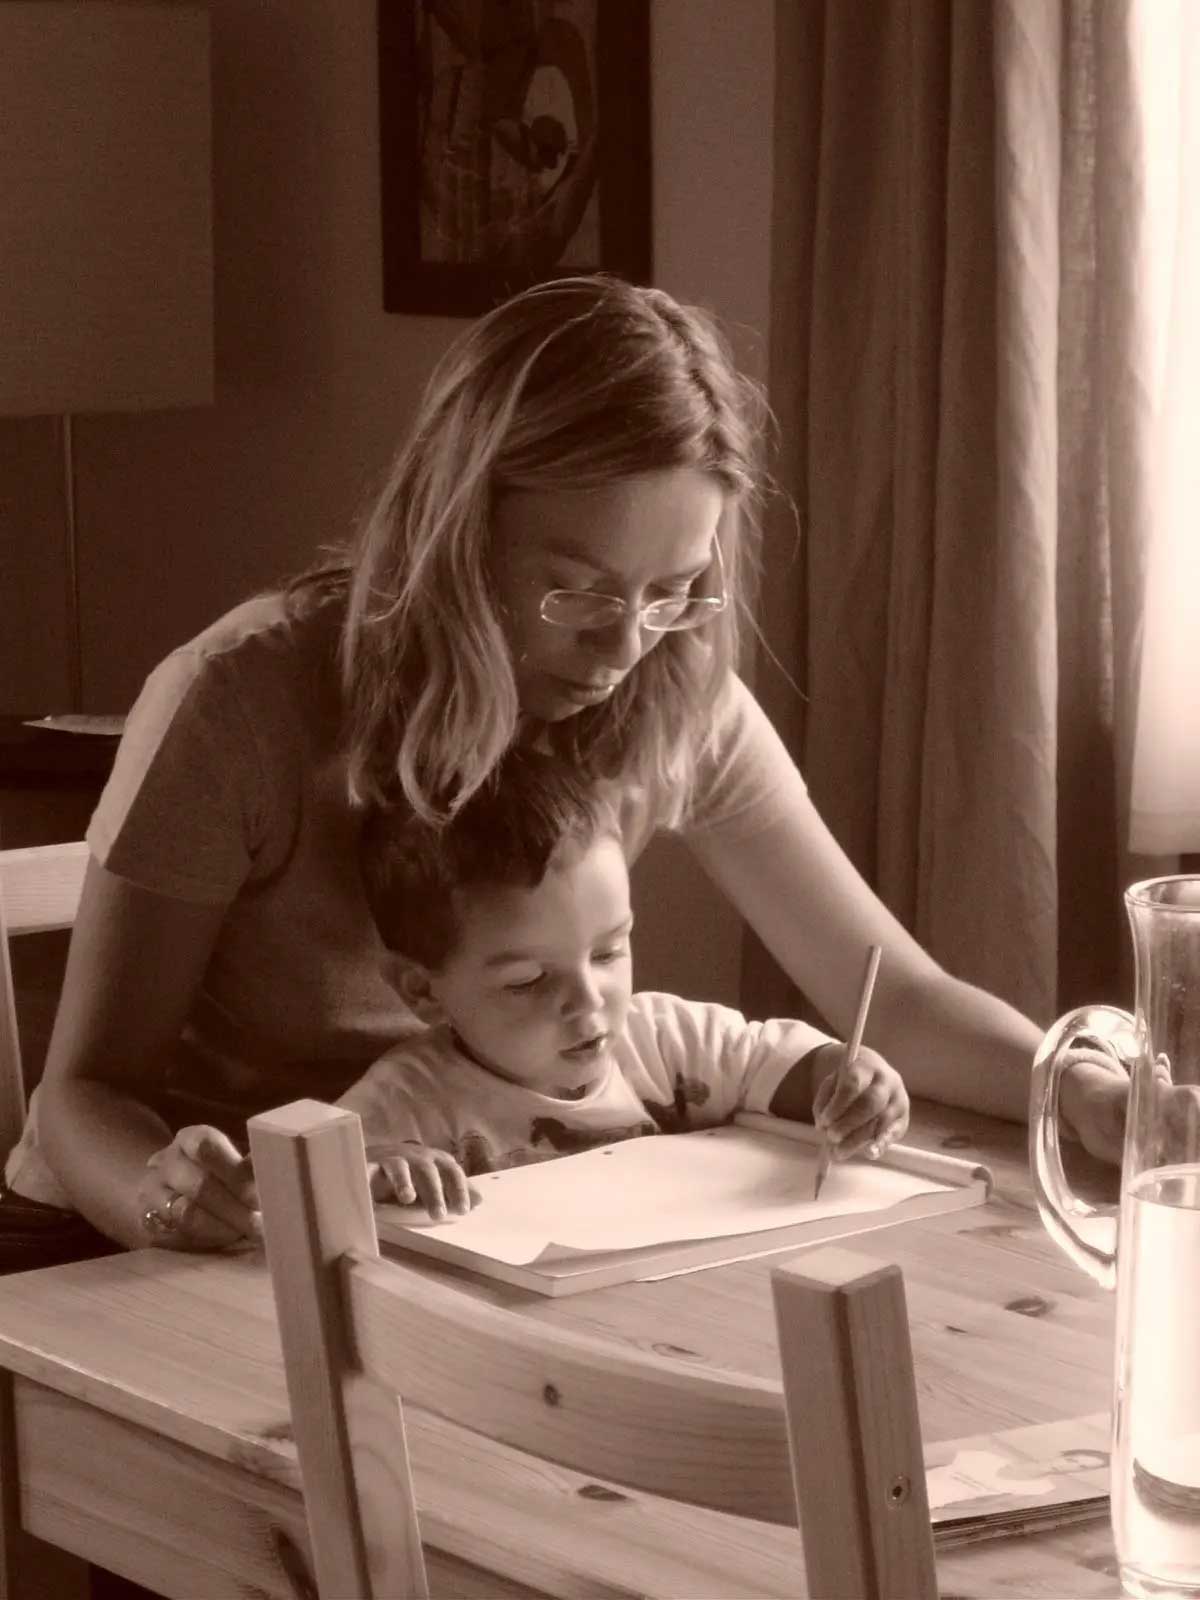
558, 555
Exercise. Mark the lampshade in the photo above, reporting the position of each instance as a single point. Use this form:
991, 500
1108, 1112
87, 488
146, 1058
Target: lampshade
106, 299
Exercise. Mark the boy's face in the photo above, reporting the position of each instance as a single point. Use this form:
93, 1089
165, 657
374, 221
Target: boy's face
538, 987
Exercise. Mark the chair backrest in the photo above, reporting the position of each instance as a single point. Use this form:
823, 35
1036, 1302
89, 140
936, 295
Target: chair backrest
834, 1449
40, 888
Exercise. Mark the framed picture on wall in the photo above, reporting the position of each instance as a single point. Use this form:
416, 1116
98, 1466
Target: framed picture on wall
514, 146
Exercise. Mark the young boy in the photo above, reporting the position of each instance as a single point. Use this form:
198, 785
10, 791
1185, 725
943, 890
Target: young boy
512, 924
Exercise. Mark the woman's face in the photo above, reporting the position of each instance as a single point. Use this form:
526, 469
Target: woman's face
640, 539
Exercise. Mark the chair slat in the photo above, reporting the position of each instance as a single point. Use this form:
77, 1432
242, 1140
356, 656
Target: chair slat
710, 1439
40, 889
40, 886
12, 1081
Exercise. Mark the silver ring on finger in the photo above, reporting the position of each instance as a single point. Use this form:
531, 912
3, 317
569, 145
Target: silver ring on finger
162, 1219
155, 1222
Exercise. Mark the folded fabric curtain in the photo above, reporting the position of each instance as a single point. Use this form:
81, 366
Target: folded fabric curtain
955, 318
1162, 227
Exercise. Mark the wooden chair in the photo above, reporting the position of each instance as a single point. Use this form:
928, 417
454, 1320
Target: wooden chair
835, 1449
40, 888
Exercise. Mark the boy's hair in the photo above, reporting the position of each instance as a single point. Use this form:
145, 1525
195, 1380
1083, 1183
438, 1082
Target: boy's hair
506, 834
571, 385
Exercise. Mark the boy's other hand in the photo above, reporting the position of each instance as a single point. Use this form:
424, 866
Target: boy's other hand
861, 1108
409, 1172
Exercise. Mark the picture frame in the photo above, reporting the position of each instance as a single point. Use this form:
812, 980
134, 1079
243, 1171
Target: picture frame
514, 147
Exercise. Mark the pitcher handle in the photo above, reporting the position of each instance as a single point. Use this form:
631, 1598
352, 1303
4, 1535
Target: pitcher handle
1099, 1028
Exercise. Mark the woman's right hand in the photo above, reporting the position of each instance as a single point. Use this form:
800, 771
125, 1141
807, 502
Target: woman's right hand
1094, 1098
135, 966
197, 1193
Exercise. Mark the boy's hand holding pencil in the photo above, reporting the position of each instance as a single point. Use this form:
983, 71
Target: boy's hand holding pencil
860, 1103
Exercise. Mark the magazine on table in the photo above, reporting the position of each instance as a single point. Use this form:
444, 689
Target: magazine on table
1020, 1480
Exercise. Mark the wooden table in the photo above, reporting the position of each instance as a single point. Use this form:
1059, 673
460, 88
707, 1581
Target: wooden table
148, 1401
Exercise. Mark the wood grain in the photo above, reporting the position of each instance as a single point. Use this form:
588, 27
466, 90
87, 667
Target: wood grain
854, 1430
40, 886
187, 1349
29, 1567
174, 1519
639, 1418
311, 1171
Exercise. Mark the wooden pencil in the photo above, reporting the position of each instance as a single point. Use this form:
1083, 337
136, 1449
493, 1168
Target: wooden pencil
825, 1159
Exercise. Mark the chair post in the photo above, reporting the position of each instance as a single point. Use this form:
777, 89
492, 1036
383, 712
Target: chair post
40, 889
12, 1081
853, 1427
310, 1169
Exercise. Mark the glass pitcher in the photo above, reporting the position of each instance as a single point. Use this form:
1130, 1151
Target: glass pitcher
1148, 1247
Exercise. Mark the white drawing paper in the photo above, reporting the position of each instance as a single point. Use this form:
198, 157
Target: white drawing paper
641, 1192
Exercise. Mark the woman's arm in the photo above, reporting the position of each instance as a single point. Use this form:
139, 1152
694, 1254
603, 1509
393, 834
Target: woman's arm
135, 964
762, 841
805, 899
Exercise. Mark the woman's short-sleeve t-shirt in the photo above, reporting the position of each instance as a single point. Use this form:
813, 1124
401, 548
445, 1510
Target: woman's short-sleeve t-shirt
229, 788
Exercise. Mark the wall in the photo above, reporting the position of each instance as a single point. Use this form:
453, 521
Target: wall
712, 128
180, 514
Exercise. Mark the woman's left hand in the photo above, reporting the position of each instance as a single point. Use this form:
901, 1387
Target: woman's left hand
861, 1108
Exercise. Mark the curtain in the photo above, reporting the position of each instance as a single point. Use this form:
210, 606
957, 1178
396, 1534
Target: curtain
1163, 66
957, 347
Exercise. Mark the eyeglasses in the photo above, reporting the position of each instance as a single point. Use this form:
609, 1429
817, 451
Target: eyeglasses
585, 611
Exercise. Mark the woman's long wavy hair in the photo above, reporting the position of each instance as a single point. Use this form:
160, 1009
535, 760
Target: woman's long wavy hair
573, 384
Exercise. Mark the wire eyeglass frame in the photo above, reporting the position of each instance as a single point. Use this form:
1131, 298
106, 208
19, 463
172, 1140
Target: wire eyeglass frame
586, 611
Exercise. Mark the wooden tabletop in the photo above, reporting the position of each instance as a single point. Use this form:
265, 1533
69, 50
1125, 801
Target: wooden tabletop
1005, 1332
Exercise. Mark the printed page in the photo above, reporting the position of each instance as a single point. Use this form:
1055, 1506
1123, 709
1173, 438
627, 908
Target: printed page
642, 1192
1048, 1473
